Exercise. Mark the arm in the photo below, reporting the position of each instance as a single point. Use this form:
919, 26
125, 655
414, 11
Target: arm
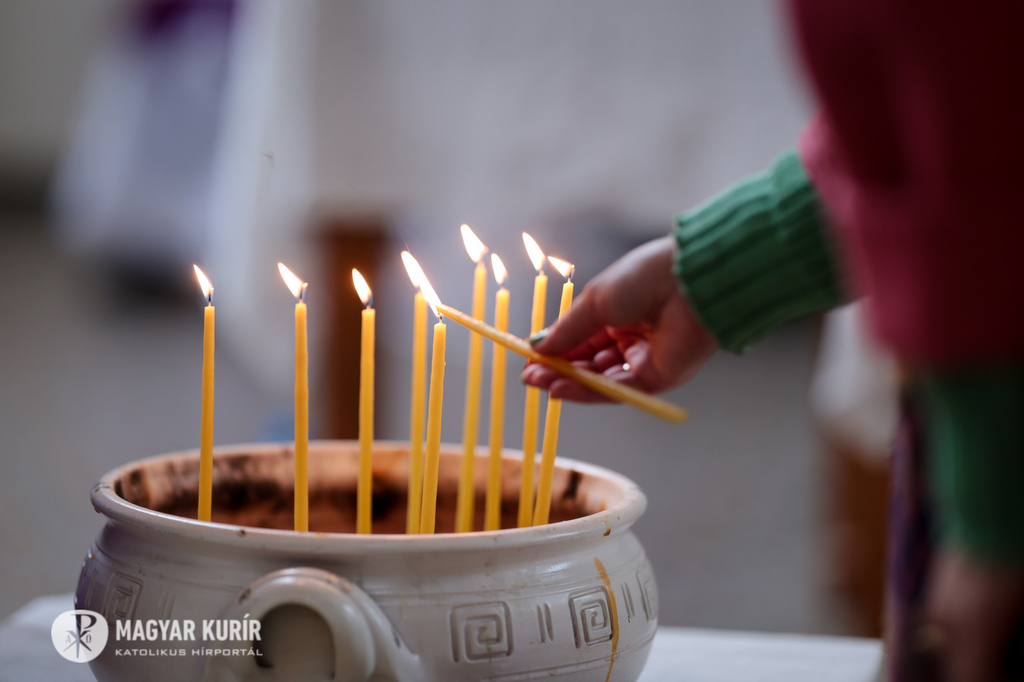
735, 268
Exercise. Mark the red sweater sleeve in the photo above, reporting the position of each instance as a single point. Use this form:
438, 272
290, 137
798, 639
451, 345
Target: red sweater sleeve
918, 155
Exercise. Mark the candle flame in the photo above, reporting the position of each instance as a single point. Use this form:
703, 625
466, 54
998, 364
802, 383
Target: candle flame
428, 293
294, 284
474, 246
500, 273
533, 249
204, 284
413, 268
565, 268
419, 280
362, 288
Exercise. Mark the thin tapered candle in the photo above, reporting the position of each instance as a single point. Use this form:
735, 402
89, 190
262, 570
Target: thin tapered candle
206, 421
532, 411
432, 450
298, 289
549, 447
419, 385
492, 501
364, 484
467, 494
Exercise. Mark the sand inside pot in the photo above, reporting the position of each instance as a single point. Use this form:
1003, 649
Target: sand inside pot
254, 488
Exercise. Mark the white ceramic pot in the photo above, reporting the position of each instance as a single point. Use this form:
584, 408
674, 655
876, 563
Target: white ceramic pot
574, 600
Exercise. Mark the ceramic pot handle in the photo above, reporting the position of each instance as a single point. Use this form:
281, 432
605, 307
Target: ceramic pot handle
364, 643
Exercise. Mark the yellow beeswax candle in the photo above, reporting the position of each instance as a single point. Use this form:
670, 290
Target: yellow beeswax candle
492, 501
432, 454
298, 289
532, 411
206, 421
419, 385
467, 495
549, 447
301, 420
364, 484
433, 449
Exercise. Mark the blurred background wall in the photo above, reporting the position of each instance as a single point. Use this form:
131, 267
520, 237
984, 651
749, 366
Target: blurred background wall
331, 133
44, 51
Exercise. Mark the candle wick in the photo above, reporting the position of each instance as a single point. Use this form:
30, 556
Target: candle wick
209, 297
302, 292
369, 302
572, 271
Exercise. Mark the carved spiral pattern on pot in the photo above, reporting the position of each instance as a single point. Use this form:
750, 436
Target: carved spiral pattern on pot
481, 631
591, 617
122, 597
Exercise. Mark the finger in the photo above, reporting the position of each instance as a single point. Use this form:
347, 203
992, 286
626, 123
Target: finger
542, 376
643, 373
609, 357
559, 386
567, 389
539, 376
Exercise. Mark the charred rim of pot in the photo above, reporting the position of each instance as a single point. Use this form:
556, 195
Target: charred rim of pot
253, 492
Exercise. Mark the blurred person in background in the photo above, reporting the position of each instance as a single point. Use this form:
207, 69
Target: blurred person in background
903, 188
133, 186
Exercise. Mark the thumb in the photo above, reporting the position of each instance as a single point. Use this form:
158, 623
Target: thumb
582, 320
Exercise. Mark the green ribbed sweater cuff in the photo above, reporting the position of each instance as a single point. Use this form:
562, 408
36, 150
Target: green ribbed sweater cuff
975, 431
756, 256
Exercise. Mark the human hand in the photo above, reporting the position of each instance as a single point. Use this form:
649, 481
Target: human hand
630, 323
975, 608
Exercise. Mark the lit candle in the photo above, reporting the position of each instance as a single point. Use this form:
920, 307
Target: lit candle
364, 485
428, 506
550, 445
492, 502
466, 497
206, 422
532, 412
419, 385
298, 289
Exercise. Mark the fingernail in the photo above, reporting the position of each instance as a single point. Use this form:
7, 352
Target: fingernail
538, 337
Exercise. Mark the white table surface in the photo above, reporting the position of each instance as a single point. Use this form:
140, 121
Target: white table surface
684, 654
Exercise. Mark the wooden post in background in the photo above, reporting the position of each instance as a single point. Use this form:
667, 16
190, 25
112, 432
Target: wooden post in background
347, 243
